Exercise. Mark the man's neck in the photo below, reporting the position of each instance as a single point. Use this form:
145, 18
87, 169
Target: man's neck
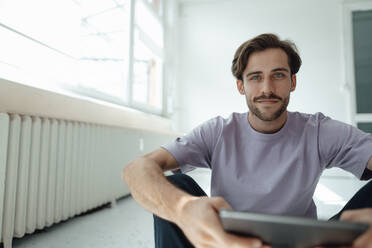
267, 126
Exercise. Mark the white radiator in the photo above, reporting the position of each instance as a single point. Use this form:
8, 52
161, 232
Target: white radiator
52, 170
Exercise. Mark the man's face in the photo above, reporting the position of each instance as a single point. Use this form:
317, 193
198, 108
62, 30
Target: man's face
267, 83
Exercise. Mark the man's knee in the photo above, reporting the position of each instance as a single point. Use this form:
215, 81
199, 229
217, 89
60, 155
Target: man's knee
182, 181
369, 186
186, 183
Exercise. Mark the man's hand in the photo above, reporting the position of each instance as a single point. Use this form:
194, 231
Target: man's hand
198, 218
361, 215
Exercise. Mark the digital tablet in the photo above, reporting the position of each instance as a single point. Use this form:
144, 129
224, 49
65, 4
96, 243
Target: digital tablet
285, 231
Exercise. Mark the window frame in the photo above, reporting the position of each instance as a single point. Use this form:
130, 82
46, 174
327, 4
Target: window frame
349, 85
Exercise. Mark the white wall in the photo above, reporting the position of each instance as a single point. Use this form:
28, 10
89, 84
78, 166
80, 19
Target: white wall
210, 32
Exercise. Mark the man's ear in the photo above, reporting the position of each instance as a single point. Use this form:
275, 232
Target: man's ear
240, 86
293, 82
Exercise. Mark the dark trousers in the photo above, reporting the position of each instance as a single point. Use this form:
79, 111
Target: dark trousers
169, 235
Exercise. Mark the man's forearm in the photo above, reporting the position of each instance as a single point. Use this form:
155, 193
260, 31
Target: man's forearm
150, 188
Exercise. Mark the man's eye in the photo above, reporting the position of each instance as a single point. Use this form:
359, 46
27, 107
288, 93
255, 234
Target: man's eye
278, 75
255, 77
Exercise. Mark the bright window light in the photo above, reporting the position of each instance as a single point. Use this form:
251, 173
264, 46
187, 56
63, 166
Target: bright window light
156, 5
82, 45
149, 24
38, 64
86, 46
52, 22
104, 57
147, 75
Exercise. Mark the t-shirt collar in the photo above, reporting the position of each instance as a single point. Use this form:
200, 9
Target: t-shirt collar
270, 136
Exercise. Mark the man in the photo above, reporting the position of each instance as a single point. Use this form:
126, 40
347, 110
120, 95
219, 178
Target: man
267, 160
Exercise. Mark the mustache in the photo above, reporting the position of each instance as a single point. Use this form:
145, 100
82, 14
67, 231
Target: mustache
269, 97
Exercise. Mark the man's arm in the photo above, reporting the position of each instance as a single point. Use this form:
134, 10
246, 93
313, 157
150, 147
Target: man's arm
369, 165
367, 174
196, 216
149, 187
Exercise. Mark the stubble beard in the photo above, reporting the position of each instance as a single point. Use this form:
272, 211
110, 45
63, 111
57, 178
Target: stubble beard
267, 117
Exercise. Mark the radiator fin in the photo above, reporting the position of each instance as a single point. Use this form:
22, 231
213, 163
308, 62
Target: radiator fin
4, 134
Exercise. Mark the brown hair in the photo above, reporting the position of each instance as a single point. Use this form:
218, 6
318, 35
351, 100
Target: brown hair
260, 43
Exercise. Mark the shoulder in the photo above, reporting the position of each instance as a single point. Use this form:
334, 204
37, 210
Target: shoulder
305, 117
308, 120
221, 122
327, 129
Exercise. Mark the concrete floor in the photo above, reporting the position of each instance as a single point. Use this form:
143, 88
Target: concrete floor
128, 225
125, 225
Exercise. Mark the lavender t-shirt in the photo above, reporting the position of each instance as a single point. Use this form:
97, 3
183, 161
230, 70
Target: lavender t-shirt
272, 173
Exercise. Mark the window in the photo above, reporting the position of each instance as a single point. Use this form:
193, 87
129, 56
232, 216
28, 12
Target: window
148, 57
365, 126
358, 40
106, 49
362, 37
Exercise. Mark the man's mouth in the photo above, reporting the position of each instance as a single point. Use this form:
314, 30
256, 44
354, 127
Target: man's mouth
268, 101
272, 98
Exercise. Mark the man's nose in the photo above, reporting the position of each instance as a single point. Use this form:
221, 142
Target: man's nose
267, 87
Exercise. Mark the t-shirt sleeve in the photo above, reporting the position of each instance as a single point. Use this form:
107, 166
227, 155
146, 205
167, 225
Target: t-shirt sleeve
344, 146
195, 148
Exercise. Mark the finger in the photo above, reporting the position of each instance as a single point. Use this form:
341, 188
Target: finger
214, 226
233, 241
332, 246
360, 215
222, 236
220, 203
240, 241
364, 240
